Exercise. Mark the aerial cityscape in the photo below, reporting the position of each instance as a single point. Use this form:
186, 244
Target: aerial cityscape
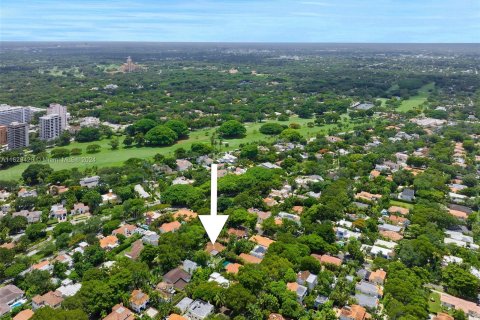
284, 178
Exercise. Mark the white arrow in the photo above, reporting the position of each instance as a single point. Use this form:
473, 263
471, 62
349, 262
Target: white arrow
212, 223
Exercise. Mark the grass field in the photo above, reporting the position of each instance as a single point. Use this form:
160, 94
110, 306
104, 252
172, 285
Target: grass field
434, 305
107, 157
417, 100
401, 204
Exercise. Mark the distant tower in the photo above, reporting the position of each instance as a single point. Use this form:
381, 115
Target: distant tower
50, 126
56, 108
129, 65
17, 135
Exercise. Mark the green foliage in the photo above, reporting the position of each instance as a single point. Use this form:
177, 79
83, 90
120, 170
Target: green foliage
232, 129
88, 134
271, 128
180, 127
36, 173
161, 136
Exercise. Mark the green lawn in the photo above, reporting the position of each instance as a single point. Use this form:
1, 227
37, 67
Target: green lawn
107, 157
401, 204
434, 305
417, 100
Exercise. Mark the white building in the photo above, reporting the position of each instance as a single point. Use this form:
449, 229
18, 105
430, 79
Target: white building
50, 127
56, 108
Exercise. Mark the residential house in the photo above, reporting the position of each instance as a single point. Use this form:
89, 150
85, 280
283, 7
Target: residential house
185, 214
31, 216
470, 308
199, 310
218, 278
119, 312
80, 208
58, 212
126, 230
90, 182
300, 291
328, 260
183, 165
166, 290
189, 266
150, 237
141, 192
110, 197
233, 268
23, 193
139, 300
214, 249
377, 277
248, 258
135, 251
308, 279
109, 242
170, 227
44, 265
10, 295
178, 278
52, 299
24, 315
353, 312
407, 195
363, 195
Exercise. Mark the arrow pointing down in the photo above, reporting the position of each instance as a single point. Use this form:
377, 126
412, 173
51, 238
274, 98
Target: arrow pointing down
213, 223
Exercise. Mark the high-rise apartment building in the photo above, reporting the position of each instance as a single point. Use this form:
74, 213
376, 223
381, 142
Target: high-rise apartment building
9, 114
3, 135
17, 135
56, 108
50, 126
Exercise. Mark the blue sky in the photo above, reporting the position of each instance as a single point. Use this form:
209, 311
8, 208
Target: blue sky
241, 20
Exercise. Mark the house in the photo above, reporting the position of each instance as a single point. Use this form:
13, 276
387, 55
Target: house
263, 241
90, 182
126, 230
214, 249
68, 288
58, 212
458, 214
150, 237
119, 312
141, 192
109, 242
269, 165
110, 197
275, 316
183, 304
166, 290
79, 208
368, 289
353, 312
183, 165
23, 193
363, 195
399, 210
189, 266
377, 277
31, 216
345, 234
308, 279
4, 194
199, 310
233, 268
328, 260
175, 316
57, 190
139, 300
10, 295
24, 315
451, 260
185, 214
178, 277
182, 180
52, 299
389, 227
237, 233
44, 265
228, 158
248, 258
170, 227
300, 291
366, 300
270, 202
218, 278
407, 195
443, 316
137, 248
470, 308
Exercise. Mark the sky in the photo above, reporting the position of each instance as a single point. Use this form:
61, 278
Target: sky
381, 21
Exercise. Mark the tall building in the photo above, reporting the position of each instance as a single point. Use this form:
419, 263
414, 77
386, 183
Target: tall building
129, 66
9, 114
60, 110
3, 135
17, 135
50, 126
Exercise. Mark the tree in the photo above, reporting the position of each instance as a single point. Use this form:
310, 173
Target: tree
161, 136
232, 129
460, 282
250, 151
238, 298
291, 135
114, 143
37, 282
96, 297
88, 134
201, 148
93, 148
64, 138
36, 173
180, 127
62, 227
47, 313
93, 198
271, 128
36, 231
182, 194
142, 126
128, 141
